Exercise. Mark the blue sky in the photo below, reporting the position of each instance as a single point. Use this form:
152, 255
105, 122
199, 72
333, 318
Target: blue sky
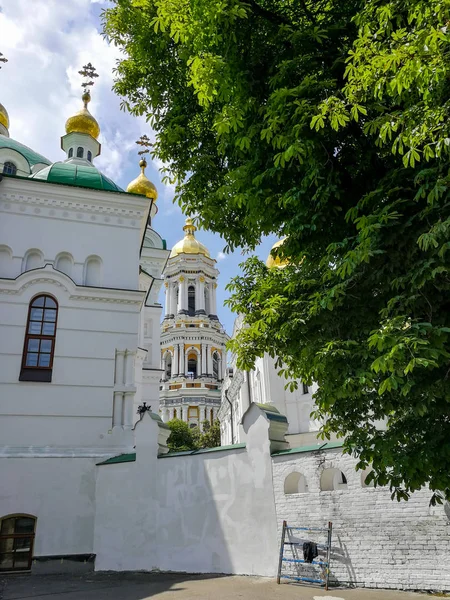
40, 87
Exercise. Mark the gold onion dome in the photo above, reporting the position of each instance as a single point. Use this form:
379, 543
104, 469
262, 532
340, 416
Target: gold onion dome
4, 117
142, 185
189, 245
83, 121
276, 261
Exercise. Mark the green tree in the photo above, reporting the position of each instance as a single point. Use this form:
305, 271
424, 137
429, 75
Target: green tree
328, 122
181, 437
210, 437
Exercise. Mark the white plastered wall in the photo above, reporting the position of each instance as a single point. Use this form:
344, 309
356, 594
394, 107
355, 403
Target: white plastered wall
211, 512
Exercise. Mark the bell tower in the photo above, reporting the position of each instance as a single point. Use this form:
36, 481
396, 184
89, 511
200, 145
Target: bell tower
193, 355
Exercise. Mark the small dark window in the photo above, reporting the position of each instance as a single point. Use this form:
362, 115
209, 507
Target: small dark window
80, 152
192, 368
16, 542
89, 156
9, 168
191, 301
168, 366
305, 388
343, 478
70, 152
39, 347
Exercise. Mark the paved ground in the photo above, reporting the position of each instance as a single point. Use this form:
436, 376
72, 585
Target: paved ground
142, 586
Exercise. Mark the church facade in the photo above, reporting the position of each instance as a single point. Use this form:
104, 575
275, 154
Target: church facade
79, 335
193, 353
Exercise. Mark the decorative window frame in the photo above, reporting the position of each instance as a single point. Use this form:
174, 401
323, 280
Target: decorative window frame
38, 373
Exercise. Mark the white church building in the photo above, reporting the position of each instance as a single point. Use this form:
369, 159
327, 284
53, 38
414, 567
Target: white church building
79, 335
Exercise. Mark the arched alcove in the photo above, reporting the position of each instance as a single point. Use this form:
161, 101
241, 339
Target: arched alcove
64, 263
364, 475
33, 259
332, 479
295, 483
93, 271
5, 261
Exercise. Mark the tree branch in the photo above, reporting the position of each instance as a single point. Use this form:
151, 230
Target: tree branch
268, 14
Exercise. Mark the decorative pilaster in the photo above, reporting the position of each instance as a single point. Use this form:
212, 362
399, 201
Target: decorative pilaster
175, 361
182, 364
203, 370
213, 302
182, 296
208, 359
200, 299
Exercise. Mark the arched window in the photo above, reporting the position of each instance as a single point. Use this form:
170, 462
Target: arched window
305, 388
211, 416
191, 301
192, 366
70, 152
295, 483
215, 365
207, 307
89, 156
9, 168
93, 271
39, 347
16, 542
168, 370
80, 152
332, 479
175, 413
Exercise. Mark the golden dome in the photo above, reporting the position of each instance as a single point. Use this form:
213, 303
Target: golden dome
276, 261
4, 118
83, 121
142, 185
189, 245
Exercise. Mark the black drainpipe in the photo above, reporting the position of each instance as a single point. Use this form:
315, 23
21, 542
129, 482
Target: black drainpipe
231, 414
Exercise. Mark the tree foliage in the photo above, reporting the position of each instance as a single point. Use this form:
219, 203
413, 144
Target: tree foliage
325, 121
182, 437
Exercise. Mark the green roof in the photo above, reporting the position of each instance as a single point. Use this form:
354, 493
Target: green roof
202, 451
124, 458
68, 173
315, 448
32, 157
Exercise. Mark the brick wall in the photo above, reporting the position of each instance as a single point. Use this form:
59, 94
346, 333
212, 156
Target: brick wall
377, 542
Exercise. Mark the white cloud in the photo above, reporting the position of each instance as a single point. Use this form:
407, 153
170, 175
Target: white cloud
221, 256
40, 85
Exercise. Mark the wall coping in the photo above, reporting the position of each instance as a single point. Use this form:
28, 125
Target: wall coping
314, 448
131, 457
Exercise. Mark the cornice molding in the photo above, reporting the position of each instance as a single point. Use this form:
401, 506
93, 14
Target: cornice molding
47, 275
100, 207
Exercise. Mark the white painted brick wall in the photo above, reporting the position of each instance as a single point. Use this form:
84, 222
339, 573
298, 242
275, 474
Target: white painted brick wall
377, 542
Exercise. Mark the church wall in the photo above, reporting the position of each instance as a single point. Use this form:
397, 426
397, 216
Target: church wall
59, 219
210, 512
60, 493
377, 542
